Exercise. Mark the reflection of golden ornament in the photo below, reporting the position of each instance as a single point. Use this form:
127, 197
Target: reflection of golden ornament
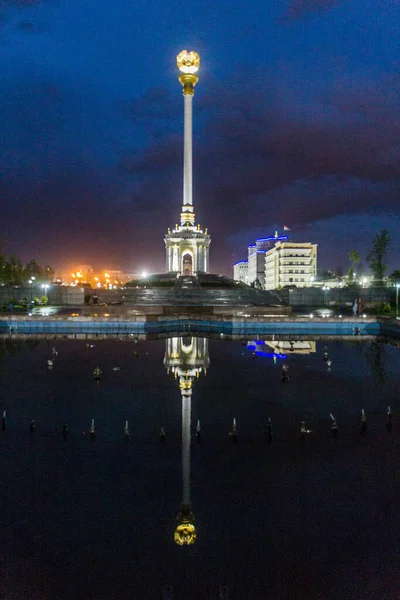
188, 62
185, 534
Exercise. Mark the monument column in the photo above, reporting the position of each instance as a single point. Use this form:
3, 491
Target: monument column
188, 147
188, 64
186, 237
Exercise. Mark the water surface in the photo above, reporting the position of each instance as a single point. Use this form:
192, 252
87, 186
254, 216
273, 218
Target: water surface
82, 519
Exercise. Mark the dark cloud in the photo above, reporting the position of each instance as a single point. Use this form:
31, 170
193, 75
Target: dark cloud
257, 158
8, 7
156, 104
27, 26
300, 9
21, 3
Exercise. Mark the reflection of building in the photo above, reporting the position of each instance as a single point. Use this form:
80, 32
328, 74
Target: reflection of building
290, 263
187, 246
296, 347
186, 358
281, 348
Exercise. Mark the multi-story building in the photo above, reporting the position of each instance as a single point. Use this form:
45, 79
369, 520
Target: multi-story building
240, 271
290, 263
252, 270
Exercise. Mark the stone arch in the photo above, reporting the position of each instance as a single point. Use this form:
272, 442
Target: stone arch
187, 263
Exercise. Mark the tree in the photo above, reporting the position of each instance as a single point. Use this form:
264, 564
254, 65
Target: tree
326, 274
354, 257
377, 255
33, 269
14, 270
48, 272
3, 263
394, 277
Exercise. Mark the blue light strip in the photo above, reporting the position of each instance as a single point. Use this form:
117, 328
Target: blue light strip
272, 237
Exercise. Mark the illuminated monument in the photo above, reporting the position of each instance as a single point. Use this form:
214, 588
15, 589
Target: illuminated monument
187, 245
186, 358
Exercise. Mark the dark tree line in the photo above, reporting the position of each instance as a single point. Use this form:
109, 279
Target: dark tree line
14, 272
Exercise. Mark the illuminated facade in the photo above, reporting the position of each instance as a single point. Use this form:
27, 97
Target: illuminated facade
240, 271
187, 245
290, 263
186, 358
252, 270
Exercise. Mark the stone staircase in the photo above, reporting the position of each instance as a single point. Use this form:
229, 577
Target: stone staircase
193, 295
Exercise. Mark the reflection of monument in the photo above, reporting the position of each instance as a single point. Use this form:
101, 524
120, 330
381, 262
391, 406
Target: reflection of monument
280, 348
186, 358
187, 246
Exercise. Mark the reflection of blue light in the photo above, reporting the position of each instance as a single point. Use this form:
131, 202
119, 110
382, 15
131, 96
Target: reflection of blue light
267, 354
270, 354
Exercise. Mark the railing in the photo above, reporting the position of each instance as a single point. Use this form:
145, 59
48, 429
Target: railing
238, 325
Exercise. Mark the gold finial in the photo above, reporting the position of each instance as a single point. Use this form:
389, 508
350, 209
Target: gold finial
188, 61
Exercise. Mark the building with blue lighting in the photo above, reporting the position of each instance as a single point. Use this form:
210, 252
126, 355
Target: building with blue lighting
252, 270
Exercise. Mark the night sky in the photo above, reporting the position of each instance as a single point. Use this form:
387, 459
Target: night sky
296, 123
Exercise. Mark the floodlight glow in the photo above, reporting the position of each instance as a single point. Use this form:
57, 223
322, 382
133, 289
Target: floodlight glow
144, 274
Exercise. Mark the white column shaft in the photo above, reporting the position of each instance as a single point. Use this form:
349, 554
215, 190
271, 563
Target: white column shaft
186, 416
187, 151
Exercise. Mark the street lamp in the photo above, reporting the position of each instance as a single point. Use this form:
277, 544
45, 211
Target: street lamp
45, 286
325, 289
31, 282
397, 300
